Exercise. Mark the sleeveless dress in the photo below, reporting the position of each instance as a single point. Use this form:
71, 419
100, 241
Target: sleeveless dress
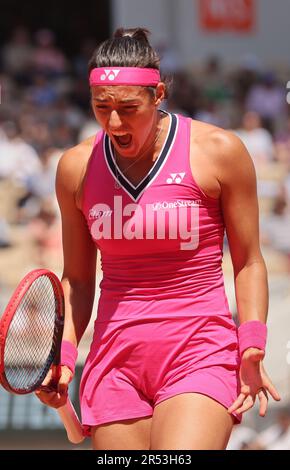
163, 324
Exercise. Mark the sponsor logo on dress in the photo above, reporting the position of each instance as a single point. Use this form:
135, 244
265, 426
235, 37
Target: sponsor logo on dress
95, 213
175, 178
156, 206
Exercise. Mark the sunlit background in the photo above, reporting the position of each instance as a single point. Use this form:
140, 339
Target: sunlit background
231, 64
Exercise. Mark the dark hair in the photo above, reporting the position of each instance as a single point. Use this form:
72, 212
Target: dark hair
127, 48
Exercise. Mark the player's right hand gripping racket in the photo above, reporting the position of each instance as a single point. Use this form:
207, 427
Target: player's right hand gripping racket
30, 340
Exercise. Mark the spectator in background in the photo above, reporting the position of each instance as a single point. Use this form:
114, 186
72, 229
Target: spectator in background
35, 130
42, 183
42, 92
267, 98
212, 113
18, 161
16, 56
213, 82
185, 93
48, 59
275, 227
2, 135
40, 187
170, 61
4, 234
286, 188
215, 100
80, 62
90, 127
282, 145
70, 114
258, 140
244, 77
45, 231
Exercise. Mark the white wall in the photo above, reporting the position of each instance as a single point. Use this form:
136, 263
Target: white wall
152, 14
177, 22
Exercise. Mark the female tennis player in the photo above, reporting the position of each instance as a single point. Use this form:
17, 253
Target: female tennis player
154, 193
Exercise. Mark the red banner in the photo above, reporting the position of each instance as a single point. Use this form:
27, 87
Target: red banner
227, 15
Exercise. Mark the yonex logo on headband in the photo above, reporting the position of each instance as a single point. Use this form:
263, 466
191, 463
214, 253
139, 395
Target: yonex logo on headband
110, 74
124, 76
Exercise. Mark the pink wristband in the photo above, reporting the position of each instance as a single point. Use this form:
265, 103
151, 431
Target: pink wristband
252, 334
68, 355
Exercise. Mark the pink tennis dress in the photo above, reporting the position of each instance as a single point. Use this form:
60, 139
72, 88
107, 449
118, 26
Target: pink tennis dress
163, 324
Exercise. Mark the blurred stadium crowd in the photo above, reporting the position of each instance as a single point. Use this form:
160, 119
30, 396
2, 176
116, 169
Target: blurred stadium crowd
45, 109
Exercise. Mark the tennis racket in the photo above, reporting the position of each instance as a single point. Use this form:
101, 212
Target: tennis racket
31, 330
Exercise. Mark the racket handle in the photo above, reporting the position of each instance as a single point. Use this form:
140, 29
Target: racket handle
71, 423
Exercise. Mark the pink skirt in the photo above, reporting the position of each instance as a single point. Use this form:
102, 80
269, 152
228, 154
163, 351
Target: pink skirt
133, 365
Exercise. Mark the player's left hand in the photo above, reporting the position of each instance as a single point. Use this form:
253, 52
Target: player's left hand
254, 382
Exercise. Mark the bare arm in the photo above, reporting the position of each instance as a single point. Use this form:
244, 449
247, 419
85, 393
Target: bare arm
78, 279
237, 181
240, 210
79, 251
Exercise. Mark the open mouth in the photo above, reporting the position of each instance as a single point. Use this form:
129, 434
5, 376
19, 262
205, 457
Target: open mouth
123, 140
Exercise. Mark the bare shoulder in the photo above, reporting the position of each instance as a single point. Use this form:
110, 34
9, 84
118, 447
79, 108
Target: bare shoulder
221, 150
72, 166
214, 140
75, 159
